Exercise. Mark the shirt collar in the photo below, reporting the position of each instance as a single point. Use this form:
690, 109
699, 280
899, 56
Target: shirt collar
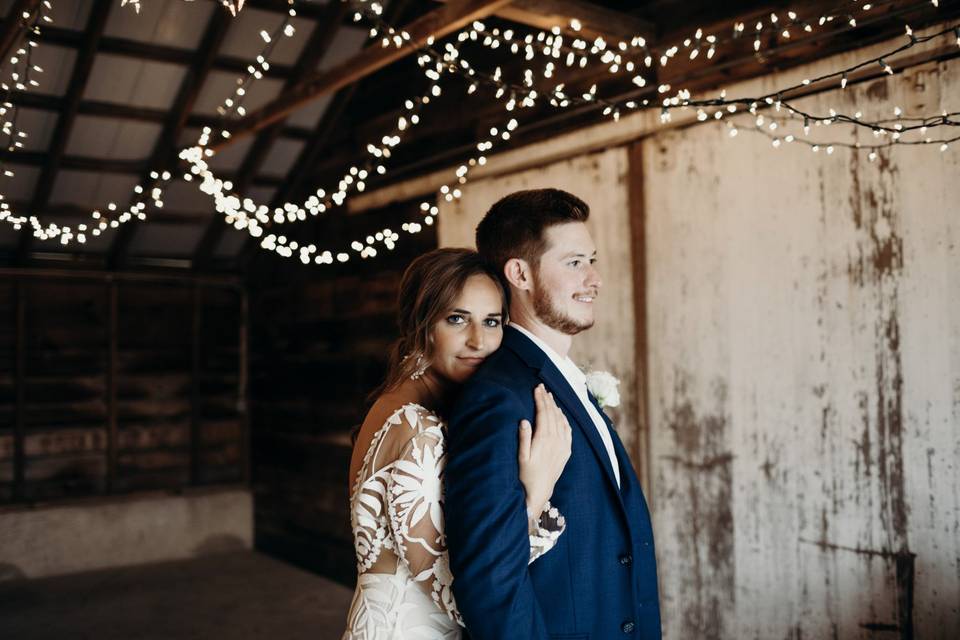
566, 366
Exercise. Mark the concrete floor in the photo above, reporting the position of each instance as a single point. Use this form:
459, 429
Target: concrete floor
238, 596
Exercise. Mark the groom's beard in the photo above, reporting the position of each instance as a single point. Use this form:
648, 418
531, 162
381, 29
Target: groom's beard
553, 317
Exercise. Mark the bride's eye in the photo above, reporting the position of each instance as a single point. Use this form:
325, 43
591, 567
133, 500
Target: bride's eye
492, 322
456, 318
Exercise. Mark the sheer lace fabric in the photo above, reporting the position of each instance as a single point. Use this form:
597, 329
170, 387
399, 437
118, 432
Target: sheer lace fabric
396, 509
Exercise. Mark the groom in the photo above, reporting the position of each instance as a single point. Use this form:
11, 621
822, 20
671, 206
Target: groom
600, 580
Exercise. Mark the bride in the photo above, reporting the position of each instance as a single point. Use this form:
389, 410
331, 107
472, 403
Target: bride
452, 309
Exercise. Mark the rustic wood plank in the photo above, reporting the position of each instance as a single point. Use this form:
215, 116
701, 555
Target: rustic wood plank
638, 254
113, 331
196, 347
243, 386
19, 426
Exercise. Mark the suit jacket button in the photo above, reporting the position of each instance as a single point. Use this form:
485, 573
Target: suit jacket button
626, 559
627, 627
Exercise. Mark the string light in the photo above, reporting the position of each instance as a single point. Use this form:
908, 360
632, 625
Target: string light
548, 43
233, 7
435, 63
112, 217
623, 57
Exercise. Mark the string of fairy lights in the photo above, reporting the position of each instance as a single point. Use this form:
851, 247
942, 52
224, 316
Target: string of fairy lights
112, 216
233, 6
435, 63
775, 115
20, 74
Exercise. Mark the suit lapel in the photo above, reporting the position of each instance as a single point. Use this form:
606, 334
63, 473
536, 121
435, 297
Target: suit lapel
535, 358
567, 398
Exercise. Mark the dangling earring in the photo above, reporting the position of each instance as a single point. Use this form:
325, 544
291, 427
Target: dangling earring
422, 366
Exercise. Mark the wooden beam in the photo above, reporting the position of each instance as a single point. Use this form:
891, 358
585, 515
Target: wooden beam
316, 146
314, 10
303, 168
243, 395
77, 163
438, 23
164, 156
735, 64
595, 20
20, 382
15, 25
102, 165
313, 52
638, 244
224, 281
196, 346
82, 214
154, 52
61, 134
113, 328
116, 111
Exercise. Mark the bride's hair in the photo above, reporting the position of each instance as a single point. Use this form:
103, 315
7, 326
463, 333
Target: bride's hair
428, 290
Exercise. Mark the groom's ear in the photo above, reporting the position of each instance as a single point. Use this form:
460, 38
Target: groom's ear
517, 272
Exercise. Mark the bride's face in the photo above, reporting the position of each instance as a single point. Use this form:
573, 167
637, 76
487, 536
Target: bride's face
469, 331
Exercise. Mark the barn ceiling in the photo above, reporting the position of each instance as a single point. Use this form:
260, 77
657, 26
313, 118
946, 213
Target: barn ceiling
122, 91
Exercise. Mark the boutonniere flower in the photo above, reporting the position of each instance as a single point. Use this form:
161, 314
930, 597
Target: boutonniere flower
605, 388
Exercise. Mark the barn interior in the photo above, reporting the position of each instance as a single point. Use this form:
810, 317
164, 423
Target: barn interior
206, 208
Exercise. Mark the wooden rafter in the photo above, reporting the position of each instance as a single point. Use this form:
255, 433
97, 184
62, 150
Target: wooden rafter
14, 24
731, 65
44, 102
101, 165
164, 156
154, 52
82, 214
313, 52
316, 146
595, 20
61, 134
438, 23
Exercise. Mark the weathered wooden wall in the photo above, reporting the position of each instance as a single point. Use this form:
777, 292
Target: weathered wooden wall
600, 179
165, 365
804, 357
320, 339
802, 328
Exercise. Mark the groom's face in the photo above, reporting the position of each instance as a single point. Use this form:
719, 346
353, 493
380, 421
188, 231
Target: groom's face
566, 281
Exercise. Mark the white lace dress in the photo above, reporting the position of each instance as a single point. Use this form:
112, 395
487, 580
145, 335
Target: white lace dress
396, 510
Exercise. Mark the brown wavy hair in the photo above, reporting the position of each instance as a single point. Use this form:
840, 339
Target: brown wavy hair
428, 290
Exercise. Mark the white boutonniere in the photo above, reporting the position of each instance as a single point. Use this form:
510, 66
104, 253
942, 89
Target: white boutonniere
605, 388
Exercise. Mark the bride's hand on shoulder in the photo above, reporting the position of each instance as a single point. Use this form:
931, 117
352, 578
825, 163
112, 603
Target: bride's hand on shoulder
544, 451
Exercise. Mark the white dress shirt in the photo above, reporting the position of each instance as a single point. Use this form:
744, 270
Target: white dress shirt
578, 382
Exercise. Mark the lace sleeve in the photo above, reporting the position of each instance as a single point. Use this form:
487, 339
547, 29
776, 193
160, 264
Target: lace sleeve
415, 494
545, 531
414, 489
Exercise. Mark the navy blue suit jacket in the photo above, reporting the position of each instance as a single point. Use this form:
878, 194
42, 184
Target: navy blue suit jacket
600, 580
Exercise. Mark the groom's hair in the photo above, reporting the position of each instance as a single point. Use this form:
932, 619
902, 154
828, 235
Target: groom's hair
514, 226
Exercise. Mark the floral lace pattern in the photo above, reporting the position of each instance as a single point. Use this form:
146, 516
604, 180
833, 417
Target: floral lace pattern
396, 511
